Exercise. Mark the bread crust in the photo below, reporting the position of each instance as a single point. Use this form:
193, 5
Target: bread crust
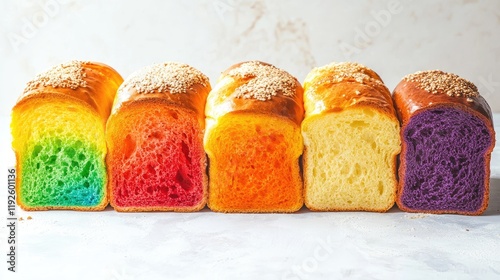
99, 93
411, 99
323, 95
226, 100
97, 96
329, 89
193, 99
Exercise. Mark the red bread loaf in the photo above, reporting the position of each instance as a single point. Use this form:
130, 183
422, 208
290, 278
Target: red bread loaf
156, 160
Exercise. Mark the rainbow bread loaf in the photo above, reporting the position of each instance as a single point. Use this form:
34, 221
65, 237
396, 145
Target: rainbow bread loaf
351, 138
253, 140
156, 160
448, 137
58, 136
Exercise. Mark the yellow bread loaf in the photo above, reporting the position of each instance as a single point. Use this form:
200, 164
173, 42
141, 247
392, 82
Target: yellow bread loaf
351, 138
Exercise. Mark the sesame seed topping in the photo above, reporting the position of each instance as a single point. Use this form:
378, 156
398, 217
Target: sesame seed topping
265, 81
170, 77
345, 71
351, 67
66, 75
438, 82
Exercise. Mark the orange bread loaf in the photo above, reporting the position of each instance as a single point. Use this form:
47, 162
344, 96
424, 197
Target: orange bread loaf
253, 140
58, 137
156, 160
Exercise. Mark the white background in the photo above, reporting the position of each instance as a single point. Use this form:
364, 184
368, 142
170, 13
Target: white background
394, 38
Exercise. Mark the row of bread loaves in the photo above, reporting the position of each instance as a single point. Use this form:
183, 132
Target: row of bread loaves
83, 137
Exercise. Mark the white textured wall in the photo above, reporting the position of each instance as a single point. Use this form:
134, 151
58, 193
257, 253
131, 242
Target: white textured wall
394, 38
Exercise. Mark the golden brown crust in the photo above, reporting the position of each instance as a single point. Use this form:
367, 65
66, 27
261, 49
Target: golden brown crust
98, 93
254, 211
195, 208
333, 209
225, 97
189, 96
338, 86
411, 98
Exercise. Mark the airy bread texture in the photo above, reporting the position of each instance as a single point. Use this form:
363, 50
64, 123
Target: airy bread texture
448, 138
351, 138
253, 140
58, 137
156, 160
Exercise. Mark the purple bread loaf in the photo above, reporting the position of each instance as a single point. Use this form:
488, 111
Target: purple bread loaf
447, 133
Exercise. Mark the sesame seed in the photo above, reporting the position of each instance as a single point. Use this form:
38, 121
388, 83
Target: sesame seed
170, 77
66, 75
265, 81
439, 82
347, 71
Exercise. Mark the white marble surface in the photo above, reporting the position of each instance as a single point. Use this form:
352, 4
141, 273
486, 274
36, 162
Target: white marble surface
394, 39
